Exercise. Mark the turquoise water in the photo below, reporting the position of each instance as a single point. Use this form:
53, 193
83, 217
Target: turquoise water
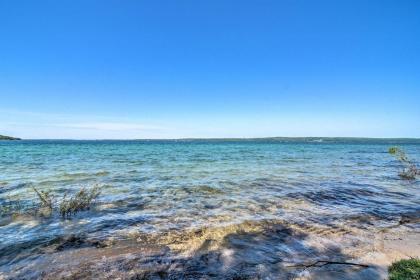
159, 186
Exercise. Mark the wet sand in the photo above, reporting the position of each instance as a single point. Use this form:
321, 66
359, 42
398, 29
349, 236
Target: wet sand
266, 249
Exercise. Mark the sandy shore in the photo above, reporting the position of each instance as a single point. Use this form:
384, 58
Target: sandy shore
268, 249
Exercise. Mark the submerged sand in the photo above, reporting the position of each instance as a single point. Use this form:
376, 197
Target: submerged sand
266, 249
254, 209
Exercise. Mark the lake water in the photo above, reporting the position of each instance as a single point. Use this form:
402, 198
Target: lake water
152, 187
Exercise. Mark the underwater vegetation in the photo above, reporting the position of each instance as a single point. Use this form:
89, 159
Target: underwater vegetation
13, 207
45, 197
410, 170
80, 201
66, 206
408, 269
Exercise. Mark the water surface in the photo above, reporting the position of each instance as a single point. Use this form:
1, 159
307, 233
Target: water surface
151, 187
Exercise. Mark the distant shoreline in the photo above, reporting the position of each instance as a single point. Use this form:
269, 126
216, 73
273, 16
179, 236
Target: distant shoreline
265, 139
3, 137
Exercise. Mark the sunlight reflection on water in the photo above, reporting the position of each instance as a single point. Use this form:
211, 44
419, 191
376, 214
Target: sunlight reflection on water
160, 186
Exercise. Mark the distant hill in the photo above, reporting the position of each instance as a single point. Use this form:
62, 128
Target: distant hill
2, 137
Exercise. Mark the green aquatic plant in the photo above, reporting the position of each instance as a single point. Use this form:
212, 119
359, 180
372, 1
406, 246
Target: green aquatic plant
408, 269
45, 197
80, 201
410, 170
11, 207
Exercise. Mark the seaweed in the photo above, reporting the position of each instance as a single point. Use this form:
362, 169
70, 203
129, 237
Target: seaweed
80, 201
45, 197
47, 203
410, 170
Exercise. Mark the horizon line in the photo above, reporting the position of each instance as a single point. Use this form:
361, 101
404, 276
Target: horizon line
226, 138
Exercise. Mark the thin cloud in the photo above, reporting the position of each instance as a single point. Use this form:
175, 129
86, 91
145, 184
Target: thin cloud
112, 126
34, 125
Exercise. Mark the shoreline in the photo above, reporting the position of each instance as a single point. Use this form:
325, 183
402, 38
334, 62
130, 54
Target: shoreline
327, 139
252, 249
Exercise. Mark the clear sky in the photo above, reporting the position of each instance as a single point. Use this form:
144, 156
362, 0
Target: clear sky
170, 69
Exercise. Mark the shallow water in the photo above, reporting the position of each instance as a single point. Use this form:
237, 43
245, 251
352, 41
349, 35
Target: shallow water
153, 187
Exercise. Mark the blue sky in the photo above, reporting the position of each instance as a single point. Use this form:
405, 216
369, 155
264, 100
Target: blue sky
173, 69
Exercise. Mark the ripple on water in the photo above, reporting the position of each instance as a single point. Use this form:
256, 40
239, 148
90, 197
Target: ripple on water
160, 187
